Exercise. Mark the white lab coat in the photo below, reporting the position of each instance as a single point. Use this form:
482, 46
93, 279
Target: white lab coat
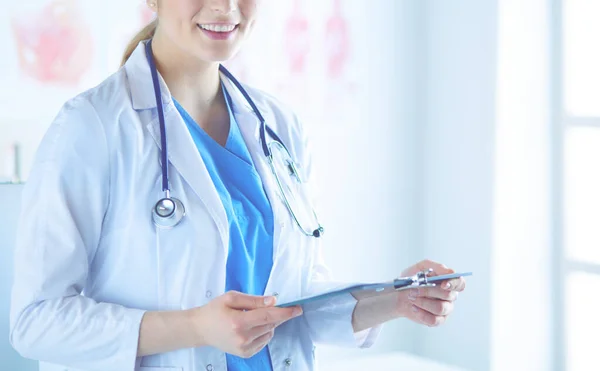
90, 262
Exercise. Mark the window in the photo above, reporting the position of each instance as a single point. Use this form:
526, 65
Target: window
578, 191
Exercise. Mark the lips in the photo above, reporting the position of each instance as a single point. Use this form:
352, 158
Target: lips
218, 27
218, 31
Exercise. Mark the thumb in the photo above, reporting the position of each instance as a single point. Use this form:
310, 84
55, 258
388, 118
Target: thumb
241, 301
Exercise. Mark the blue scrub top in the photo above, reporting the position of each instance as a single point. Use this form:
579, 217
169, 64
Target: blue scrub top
249, 215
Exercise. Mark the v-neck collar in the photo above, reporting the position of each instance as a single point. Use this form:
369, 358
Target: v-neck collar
235, 144
232, 123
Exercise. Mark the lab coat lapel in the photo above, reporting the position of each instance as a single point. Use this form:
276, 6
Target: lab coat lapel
250, 126
182, 151
184, 156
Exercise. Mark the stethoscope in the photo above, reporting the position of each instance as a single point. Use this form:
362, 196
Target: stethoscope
169, 211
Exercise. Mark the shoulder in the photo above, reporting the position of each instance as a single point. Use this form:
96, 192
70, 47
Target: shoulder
289, 126
81, 121
271, 102
90, 111
280, 117
109, 98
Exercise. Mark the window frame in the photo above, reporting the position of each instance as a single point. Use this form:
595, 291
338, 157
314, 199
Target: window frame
562, 122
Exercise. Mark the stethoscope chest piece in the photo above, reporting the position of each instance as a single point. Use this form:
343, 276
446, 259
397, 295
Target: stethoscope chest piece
168, 212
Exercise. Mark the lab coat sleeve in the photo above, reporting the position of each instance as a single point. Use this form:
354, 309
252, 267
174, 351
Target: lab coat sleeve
64, 203
329, 322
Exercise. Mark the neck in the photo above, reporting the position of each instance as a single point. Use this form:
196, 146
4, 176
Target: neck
191, 81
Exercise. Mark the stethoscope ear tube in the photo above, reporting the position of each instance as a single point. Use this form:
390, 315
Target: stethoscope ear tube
161, 117
168, 211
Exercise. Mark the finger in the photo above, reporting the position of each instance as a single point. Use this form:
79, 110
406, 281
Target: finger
433, 293
456, 284
426, 318
267, 316
258, 331
261, 342
461, 285
438, 269
435, 306
240, 301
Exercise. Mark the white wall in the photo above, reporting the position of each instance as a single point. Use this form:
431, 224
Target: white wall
456, 121
485, 160
522, 316
367, 167
11, 203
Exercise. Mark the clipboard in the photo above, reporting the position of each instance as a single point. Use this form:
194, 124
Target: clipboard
364, 290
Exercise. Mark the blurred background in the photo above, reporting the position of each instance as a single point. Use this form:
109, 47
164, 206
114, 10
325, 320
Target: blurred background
464, 131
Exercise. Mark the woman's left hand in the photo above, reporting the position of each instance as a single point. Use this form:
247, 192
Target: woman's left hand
429, 306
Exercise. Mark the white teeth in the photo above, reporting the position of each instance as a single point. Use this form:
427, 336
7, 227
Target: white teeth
218, 27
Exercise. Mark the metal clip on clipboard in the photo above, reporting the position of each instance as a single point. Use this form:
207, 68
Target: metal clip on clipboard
418, 280
424, 279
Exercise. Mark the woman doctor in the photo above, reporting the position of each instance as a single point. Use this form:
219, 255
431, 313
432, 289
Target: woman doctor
107, 278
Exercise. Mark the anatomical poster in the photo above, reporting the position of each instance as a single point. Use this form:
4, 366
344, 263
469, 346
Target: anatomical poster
305, 52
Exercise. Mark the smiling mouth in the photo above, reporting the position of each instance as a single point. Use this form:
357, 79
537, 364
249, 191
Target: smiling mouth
218, 28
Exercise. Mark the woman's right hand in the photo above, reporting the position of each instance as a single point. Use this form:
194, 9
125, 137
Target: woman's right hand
239, 324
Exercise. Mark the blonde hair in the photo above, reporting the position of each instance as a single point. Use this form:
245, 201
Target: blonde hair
146, 33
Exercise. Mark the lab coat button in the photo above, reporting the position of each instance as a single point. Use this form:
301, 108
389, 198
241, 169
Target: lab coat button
208, 294
209, 367
288, 362
275, 294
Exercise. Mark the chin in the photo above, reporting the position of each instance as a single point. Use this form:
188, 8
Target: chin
217, 56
